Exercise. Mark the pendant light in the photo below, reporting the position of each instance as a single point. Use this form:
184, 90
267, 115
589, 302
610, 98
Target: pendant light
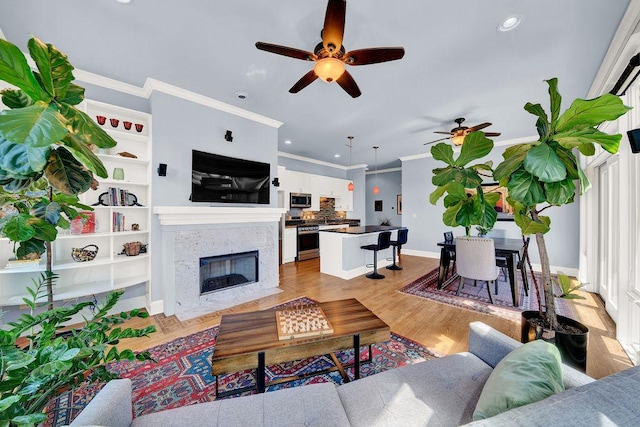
350, 145
376, 189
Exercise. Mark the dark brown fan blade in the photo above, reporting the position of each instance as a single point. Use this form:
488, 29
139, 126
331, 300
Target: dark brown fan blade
333, 30
442, 132
347, 83
373, 55
478, 127
433, 142
305, 81
492, 134
286, 51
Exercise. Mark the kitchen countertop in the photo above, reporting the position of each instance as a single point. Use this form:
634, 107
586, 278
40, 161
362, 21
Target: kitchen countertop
345, 222
362, 230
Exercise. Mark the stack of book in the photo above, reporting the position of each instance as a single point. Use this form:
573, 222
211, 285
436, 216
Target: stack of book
118, 222
118, 196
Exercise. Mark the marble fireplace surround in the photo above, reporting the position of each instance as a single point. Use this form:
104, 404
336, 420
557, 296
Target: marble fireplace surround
191, 233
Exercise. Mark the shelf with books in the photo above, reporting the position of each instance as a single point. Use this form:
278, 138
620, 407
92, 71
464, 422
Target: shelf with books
109, 270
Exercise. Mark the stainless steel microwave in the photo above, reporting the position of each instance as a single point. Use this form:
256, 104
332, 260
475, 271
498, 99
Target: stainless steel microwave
300, 200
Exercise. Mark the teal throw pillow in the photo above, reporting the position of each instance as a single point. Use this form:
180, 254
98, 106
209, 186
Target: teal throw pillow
528, 374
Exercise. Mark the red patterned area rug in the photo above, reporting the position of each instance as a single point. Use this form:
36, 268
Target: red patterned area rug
183, 376
475, 298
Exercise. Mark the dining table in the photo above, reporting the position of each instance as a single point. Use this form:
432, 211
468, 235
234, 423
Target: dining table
504, 247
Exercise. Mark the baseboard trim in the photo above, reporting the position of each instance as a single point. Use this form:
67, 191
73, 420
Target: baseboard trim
155, 307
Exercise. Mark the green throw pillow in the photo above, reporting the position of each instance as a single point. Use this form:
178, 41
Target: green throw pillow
528, 374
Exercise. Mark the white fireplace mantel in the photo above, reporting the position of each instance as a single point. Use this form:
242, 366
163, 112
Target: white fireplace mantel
186, 215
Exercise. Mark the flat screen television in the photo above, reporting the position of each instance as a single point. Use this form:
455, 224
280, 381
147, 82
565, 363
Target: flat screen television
216, 178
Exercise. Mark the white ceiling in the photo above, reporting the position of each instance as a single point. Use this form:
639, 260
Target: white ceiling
456, 64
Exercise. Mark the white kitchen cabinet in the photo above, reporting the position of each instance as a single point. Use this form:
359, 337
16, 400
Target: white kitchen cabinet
110, 269
289, 245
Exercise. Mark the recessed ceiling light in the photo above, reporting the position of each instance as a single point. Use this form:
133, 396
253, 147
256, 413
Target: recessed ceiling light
124, 1
336, 155
510, 23
287, 142
242, 95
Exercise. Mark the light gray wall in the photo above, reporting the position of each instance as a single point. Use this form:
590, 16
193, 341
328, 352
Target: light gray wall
99, 93
390, 184
357, 176
424, 220
180, 126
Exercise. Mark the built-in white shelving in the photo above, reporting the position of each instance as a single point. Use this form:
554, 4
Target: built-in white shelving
111, 269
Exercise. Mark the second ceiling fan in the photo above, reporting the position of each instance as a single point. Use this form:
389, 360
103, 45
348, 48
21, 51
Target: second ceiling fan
330, 56
458, 133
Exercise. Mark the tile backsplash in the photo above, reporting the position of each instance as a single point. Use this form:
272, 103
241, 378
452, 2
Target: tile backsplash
327, 210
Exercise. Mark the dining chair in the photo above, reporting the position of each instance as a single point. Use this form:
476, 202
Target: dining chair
476, 260
521, 265
451, 255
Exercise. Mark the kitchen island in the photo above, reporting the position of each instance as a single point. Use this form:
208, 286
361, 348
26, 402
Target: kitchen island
340, 253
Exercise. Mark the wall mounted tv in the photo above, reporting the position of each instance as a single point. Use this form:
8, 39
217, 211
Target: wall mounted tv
216, 178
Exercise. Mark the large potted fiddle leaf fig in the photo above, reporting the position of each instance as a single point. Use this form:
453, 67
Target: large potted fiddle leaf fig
546, 173
45, 154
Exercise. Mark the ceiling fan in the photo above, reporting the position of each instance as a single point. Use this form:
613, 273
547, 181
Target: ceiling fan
330, 55
458, 133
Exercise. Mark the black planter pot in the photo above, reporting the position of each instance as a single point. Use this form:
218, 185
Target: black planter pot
572, 346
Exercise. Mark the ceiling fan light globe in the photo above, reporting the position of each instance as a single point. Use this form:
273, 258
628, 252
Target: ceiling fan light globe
329, 69
458, 140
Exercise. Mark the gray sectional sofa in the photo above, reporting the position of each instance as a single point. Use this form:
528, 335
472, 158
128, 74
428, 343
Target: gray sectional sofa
438, 392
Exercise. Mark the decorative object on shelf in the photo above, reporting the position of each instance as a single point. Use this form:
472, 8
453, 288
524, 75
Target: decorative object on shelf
76, 226
118, 174
127, 154
84, 254
89, 225
114, 122
101, 120
135, 227
132, 248
139, 127
125, 199
127, 125
228, 136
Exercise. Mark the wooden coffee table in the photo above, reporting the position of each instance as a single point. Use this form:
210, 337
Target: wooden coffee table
250, 341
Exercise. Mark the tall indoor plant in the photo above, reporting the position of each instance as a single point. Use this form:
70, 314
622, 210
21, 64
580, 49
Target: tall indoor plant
45, 149
547, 172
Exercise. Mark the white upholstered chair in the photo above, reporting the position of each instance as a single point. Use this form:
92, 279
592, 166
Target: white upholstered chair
476, 260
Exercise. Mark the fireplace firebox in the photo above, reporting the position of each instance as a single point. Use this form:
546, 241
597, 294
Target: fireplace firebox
227, 271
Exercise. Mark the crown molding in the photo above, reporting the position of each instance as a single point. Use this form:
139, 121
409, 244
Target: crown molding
389, 170
319, 162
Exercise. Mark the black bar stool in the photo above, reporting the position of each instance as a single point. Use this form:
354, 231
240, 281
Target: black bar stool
384, 241
397, 245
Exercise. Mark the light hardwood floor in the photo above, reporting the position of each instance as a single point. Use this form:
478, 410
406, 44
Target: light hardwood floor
438, 326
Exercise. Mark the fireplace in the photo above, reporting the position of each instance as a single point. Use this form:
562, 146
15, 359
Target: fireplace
228, 271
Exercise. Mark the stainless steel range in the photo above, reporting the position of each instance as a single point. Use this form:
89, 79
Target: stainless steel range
308, 242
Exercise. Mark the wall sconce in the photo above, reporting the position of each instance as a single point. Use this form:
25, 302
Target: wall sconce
228, 136
162, 169
276, 182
